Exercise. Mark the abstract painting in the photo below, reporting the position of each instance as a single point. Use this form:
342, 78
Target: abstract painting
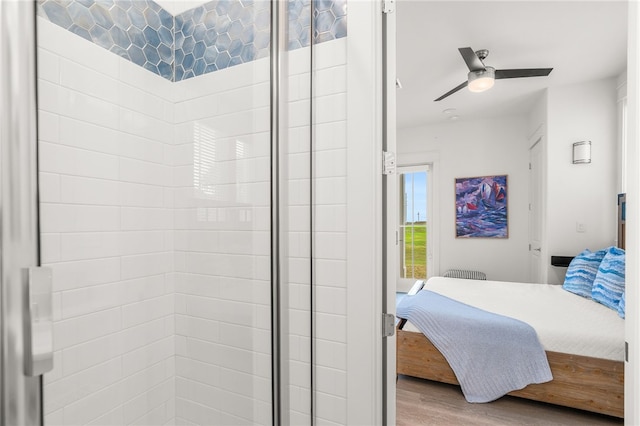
481, 207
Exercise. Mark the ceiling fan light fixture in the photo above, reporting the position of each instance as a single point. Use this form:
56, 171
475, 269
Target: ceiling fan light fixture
481, 80
482, 77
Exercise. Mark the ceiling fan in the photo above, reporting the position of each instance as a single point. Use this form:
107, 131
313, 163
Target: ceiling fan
482, 77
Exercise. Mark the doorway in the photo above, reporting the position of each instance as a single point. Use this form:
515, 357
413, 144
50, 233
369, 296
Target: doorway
448, 113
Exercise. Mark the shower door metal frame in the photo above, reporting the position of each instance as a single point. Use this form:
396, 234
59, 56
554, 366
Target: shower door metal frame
280, 321
20, 394
276, 345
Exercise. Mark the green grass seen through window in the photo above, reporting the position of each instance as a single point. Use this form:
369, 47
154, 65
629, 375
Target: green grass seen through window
415, 250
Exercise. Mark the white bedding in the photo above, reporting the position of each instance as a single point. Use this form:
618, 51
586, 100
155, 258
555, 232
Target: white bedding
564, 322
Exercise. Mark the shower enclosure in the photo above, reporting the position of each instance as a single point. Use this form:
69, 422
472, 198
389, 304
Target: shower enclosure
190, 212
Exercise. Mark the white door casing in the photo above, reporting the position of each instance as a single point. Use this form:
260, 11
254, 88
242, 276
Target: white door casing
632, 317
535, 212
390, 185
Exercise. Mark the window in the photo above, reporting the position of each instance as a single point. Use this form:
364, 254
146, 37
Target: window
412, 232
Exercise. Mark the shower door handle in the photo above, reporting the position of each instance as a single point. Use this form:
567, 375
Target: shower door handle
38, 327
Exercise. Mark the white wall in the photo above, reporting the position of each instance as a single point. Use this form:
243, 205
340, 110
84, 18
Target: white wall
537, 118
581, 193
104, 133
363, 268
584, 194
476, 148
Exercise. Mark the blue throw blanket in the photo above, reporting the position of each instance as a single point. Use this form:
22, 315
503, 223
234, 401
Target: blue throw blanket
491, 355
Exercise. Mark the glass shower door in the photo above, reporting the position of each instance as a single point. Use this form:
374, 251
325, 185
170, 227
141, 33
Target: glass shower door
25, 296
222, 223
176, 191
156, 210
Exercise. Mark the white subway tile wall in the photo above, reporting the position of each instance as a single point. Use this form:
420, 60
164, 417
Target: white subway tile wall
155, 219
221, 180
105, 227
329, 232
296, 226
330, 248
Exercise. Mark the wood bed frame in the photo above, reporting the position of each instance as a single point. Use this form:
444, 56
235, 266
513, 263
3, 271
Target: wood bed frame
581, 382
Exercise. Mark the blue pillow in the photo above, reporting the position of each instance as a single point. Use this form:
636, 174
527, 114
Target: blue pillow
621, 305
609, 283
582, 272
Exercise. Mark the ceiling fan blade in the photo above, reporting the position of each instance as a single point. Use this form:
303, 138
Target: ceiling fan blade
524, 72
471, 59
452, 91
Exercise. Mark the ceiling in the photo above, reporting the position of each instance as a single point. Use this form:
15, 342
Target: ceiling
580, 40
176, 7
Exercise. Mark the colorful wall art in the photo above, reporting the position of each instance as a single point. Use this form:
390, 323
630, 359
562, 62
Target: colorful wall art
481, 207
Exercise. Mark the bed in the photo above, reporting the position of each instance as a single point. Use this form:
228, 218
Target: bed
583, 341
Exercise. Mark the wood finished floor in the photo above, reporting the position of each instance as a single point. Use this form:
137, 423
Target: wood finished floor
423, 402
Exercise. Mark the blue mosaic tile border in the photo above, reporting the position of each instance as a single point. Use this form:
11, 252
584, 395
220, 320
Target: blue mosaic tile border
330, 21
139, 30
217, 35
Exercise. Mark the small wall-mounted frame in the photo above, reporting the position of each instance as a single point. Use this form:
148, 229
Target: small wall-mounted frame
582, 152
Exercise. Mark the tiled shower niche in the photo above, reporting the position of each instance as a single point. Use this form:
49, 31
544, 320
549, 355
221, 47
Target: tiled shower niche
214, 36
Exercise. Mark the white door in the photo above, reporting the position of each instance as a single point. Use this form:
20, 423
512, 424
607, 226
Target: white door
535, 213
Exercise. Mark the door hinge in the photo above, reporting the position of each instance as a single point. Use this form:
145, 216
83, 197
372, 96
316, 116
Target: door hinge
388, 325
388, 163
529, 166
388, 6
